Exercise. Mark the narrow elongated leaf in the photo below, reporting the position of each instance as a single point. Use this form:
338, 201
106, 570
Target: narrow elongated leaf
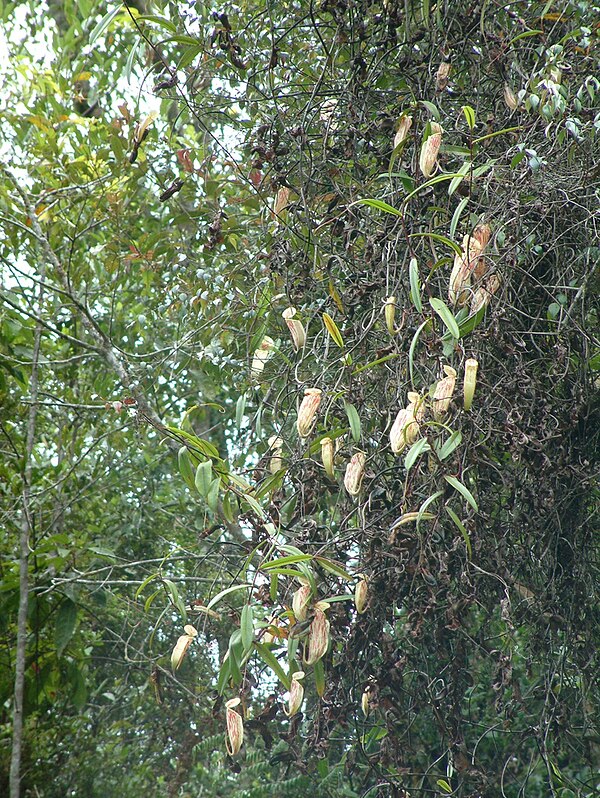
354, 420
431, 108
452, 443
188, 56
240, 408
224, 676
150, 600
415, 451
104, 23
204, 447
411, 351
251, 501
212, 497
334, 567
284, 571
502, 132
430, 500
247, 626
146, 581
456, 215
215, 599
380, 205
376, 362
442, 239
235, 657
176, 599
415, 284
333, 330
203, 479
445, 315
463, 490
131, 58
319, 674
460, 176
462, 530
66, 621
282, 562
273, 663
270, 484
161, 21
469, 115
186, 469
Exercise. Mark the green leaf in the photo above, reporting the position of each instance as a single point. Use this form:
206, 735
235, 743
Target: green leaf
247, 626
469, 115
150, 600
146, 581
176, 599
104, 23
469, 324
415, 451
380, 205
215, 600
452, 443
273, 663
445, 315
525, 35
415, 284
333, 330
411, 351
228, 506
189, 54
66, 621
319, 674
240, 409
354, 420
270, 484
516, 159
443, 785
203, 447
462, 530
282, 562
334, 567
183, 39
212, 497
430, 500
161, 21
255, 506
442, 239
186, 469
434, 181
376, 362
131, 58
235, 657
431, 108
203, 479
460, 176
224, 676
456, 215
282, 571
464, 491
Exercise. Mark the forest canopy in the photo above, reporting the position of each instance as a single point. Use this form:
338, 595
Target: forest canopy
299, 370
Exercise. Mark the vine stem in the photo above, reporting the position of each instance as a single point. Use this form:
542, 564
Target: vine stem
26, 530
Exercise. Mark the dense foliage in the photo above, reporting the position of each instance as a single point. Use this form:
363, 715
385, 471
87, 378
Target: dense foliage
415, 186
